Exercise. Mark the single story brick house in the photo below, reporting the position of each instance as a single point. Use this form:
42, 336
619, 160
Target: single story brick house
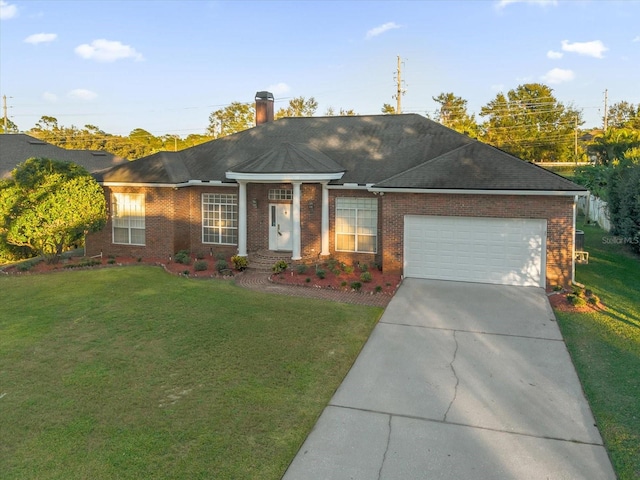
399, 191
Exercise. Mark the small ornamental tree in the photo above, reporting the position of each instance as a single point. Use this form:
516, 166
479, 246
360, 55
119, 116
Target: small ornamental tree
48, 206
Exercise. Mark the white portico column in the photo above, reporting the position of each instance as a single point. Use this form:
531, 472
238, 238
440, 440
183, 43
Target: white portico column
295, 213
242, 219
324, 232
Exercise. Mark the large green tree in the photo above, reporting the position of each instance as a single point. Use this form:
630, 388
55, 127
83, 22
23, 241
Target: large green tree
231, 119
48, 206
531, 124
453, 114
624, 115
299, 107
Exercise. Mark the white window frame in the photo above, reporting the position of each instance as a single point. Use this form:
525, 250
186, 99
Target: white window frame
128, 214
360, 210
216, 204
280, 194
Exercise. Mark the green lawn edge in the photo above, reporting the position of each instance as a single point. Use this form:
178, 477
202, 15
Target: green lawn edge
605, 346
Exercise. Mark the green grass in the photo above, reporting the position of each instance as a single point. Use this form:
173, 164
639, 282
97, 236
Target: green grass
133, 373
567, 171
605, 347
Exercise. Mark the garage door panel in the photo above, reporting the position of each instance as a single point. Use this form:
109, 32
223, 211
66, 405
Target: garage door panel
487, 250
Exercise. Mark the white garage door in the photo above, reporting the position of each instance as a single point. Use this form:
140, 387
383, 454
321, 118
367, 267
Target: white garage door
506, 251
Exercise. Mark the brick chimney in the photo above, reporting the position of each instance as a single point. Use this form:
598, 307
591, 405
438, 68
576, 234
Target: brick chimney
264, 107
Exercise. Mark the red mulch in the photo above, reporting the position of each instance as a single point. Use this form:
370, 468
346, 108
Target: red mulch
74, 263
559, 302
380, 281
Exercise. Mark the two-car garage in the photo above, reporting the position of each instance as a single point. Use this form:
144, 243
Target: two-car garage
509, 251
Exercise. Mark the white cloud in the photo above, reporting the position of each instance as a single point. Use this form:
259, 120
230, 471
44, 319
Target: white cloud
7, 10
594, 48
37, 38
106, 51
543, 3
374, 32
279, 88
82, 94
554, 55
558, 75
50, 97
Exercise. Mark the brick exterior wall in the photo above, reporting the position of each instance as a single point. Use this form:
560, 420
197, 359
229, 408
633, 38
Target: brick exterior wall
174, 222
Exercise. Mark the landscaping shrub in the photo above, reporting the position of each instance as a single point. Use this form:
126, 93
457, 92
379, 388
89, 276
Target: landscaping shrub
308, 280
183, 257
239, 263
200, 255
576, 300
221, 266
348, 269
364, 267
365, 277
279, 266
378, 288
301, 269
356, 286
320, 273
200, 266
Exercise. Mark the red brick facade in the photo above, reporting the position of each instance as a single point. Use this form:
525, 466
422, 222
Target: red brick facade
174, 222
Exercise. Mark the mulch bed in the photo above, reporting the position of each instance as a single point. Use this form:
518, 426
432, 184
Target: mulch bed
559, 302
380, 283
34, 266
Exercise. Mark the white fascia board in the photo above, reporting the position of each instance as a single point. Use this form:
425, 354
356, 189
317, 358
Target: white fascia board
284, 177
130, 184
459, 191
190, 183
349, 186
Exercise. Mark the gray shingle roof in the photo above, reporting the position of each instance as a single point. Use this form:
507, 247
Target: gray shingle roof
390, 151
290, 158
478, 166
15, 148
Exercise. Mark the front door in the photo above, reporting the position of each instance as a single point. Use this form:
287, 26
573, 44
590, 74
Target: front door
280, 227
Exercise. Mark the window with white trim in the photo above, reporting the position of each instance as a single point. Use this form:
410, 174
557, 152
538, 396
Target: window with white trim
220, 218
127, 214
356, 224
280, 194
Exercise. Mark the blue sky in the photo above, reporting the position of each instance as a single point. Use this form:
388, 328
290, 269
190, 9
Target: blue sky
166, 65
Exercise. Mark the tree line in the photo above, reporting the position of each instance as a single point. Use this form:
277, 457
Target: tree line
528, 122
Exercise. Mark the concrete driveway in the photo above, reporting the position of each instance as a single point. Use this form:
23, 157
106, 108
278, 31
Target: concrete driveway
458, 381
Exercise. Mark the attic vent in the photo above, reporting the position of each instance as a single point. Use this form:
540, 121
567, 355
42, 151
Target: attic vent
37, 142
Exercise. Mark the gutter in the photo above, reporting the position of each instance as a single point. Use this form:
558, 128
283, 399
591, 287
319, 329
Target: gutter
462, 191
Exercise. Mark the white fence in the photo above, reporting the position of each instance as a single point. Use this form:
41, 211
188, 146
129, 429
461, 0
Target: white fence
595, 209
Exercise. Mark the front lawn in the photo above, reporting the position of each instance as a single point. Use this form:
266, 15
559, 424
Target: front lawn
605, 346
132, 373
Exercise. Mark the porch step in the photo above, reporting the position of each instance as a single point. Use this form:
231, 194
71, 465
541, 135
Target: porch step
264, 260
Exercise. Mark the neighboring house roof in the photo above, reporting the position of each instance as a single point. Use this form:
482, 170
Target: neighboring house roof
386, 151
15, 148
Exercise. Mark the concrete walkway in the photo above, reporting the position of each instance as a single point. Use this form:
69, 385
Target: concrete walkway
458, 381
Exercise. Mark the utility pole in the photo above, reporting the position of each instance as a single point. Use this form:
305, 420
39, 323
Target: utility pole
4, 110
606, 113
575, 142
399, 91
